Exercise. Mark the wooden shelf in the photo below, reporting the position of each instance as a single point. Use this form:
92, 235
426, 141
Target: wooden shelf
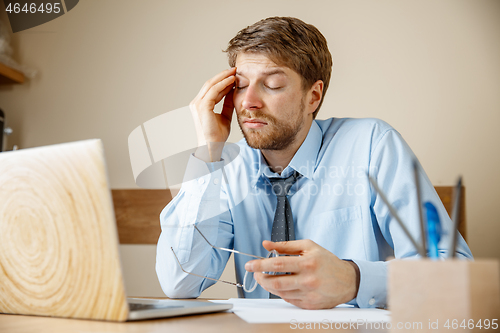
9, 75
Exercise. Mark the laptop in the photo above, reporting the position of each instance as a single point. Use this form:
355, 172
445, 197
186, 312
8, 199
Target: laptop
58, 239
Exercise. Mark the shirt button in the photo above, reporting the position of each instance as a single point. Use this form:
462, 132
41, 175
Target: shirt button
216, 181
371, 301
201, 181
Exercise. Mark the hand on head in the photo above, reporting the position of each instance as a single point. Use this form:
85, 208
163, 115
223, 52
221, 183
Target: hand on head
212, 128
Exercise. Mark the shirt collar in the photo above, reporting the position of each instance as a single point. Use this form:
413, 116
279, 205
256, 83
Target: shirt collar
304, 160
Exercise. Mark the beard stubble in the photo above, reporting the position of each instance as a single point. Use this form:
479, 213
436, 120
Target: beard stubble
277, 136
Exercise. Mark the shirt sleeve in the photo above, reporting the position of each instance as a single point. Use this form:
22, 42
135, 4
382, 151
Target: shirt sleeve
391, 165
199, 202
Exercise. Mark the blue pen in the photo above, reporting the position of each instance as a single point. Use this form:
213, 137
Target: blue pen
433, 229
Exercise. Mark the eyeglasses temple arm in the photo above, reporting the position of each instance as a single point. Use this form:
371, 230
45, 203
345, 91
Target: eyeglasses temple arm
204, 277
224, 249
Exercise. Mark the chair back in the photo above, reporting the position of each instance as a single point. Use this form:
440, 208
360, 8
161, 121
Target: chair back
138, 212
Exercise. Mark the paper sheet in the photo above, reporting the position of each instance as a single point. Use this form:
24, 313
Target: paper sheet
259, 311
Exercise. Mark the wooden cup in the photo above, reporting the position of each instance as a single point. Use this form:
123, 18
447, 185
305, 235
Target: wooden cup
444, 296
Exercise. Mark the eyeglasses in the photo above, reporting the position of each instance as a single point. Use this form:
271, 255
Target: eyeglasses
271, 254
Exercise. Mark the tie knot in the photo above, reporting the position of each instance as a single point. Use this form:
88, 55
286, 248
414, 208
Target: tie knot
281, 186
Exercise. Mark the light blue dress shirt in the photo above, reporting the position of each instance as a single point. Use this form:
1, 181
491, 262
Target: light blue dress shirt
332, 203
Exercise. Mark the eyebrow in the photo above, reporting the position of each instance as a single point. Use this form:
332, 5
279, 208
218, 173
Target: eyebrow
267, 73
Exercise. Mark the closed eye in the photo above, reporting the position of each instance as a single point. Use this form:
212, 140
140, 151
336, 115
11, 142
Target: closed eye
242, 87
273, 88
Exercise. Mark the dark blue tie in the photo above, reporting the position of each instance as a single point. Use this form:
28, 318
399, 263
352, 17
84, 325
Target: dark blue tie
283, 228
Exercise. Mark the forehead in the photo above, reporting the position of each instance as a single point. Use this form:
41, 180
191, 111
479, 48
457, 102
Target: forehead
257, 64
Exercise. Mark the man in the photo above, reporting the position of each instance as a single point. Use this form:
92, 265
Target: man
337, 232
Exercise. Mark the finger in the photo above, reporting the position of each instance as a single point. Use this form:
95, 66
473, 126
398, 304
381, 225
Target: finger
217, 78
228, 107
216, 92
277, 283
277, 264
228, 90
290, 247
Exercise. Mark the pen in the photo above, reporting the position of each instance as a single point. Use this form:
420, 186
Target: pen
433, 229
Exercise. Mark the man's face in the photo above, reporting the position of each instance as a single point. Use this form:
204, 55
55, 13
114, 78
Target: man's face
269, 102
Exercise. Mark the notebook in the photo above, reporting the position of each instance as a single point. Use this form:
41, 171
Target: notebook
58, 239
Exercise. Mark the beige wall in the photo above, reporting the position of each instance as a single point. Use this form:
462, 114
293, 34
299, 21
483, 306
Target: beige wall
429, 68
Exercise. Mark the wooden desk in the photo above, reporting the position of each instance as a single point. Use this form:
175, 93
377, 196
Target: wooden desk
207, 323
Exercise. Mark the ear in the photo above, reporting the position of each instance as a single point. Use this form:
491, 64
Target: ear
314, 96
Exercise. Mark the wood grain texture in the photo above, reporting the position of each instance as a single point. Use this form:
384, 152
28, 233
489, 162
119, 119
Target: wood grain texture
138, 212
58, 243
446, 195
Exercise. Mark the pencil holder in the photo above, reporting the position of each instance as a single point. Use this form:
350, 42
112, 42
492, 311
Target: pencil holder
444, 296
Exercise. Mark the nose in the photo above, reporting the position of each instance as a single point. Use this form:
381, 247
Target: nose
252, 99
